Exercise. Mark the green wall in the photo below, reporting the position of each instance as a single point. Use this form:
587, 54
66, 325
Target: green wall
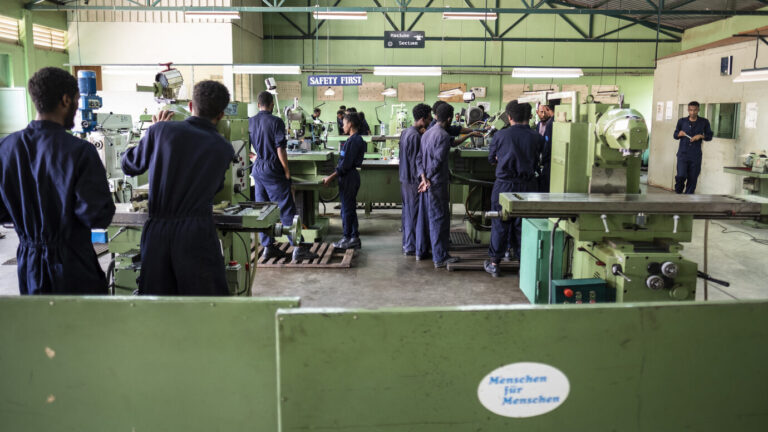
721, 29
23, 65
477, 57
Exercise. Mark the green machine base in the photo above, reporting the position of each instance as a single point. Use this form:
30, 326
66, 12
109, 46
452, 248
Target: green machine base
534, 259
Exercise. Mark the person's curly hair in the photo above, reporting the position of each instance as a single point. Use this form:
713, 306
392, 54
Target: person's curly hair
48, 86
210, 98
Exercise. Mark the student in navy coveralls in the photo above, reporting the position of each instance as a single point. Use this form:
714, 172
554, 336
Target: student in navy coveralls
411, 176
515, 152
691, 131
53, 188
186, 161
424, 224
271, 174
352, 152
544, 127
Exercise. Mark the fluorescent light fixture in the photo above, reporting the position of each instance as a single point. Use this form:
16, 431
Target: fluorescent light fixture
267, 69
408, 70
483, 16
752, 75
212, 14
329, 92
328, 15
547, 73
450, 93
390, 92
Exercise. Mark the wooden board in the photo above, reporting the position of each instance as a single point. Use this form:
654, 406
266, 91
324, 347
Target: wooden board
451, 86
582, 89
328, 257
605, 93
513, 91
546, 87
320, 92
410, 92
288, 89
370, 92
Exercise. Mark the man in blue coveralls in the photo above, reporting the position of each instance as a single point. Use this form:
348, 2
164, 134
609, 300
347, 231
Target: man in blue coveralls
53, 188
186, 160
546, 113
515, 152
411, 175
352, 152
435, 145
690, 131
272, 175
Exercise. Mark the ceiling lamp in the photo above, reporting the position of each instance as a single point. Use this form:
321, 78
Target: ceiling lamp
329, 92
752, 75
276, 69
450, 93
408, 70
547, 73
328, 15
389, 92
482, 16
212, 14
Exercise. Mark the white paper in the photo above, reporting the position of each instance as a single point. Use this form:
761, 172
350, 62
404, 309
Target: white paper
750, 120
670, 106
659, 111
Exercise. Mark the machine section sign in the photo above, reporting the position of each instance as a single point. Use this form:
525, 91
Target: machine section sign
334, 80
403, 39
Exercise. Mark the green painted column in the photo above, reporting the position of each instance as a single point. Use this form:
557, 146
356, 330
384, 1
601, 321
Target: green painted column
30, 66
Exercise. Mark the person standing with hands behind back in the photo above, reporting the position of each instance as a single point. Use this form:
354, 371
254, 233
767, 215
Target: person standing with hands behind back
690, 131
352, 152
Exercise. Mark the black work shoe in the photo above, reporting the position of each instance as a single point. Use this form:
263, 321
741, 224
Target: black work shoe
272, 251
354, 243
424, 257
301, 253
341, 244
446, 261
491, 268
409, 253
507, 256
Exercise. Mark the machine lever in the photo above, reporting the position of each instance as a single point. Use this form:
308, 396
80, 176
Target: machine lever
605, 222
675, 218
705, 276
617, 271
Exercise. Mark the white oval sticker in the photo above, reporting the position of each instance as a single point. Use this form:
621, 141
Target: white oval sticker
523, 389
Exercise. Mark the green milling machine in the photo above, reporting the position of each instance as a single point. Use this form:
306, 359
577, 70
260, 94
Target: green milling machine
616, 244
237, 218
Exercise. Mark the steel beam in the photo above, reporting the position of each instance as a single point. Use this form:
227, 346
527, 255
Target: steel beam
418, 17
482, 22
572, 10
480, 39
392, 23
293, 24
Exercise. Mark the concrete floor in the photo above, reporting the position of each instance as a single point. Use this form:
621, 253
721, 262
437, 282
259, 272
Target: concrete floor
382, 277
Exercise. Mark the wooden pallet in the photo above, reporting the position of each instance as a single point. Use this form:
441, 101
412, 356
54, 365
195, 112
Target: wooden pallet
473, 259
99, 248
329, 257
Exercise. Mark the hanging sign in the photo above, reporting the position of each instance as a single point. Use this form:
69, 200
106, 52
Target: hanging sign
403, 39
334, 80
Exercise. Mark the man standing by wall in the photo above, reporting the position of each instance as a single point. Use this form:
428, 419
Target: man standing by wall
690, 131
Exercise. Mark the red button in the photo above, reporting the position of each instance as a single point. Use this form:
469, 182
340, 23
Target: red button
233, 263
568, 292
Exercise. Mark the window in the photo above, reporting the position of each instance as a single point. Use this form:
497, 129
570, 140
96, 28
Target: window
49, 38
9, 29
723, 117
